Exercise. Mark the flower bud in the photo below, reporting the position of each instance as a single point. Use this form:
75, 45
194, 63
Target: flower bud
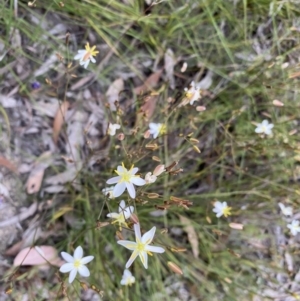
236, 226
154, 158
196, 148
153, 195
152, 146
175, 268
134, 218
278, 103
159, 170
200, 108
121, 136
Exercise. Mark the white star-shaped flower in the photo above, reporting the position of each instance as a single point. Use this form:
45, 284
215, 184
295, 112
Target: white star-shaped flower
294, 227
264, 128
112, 129
124, 213
192, 94
141, 247
75, 263
150, 178
126, 179
85, 56
127, 278
221, 209
287, 211
157, 129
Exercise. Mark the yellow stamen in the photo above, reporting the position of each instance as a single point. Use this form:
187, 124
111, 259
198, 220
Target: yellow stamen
89, 52
163, 129
125, 175
140, 246
189, 94
77, 263
226, 211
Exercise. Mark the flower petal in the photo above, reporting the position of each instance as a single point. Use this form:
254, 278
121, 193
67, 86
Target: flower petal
218, 204
86, 64
138, 181
113, 215
144, 258
134, 170
130, 245
67, 257
127, 273
132, 258
113, 180
78, 56
121, 169
268, 131
66, 268
155, 249
122, 206
84, 271
153, 126
86, 259
72, 275
78, 253
119, 189
259, 130
128, 211
130, 189
137, 232
148, 236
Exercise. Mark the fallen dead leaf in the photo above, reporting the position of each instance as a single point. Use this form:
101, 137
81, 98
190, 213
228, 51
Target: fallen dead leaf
47, 65
59, 119
170, 62
150, 83
20, 217
14, 249
36, 175
192, 235
148, 108
113, 92
150, 100
39, 255
8, 164
34, 181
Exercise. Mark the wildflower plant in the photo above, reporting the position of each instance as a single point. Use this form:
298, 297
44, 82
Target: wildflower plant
126, 179
75, 264
141, 247
85, 56
127, 278
123, 215
264, 128
167, 174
